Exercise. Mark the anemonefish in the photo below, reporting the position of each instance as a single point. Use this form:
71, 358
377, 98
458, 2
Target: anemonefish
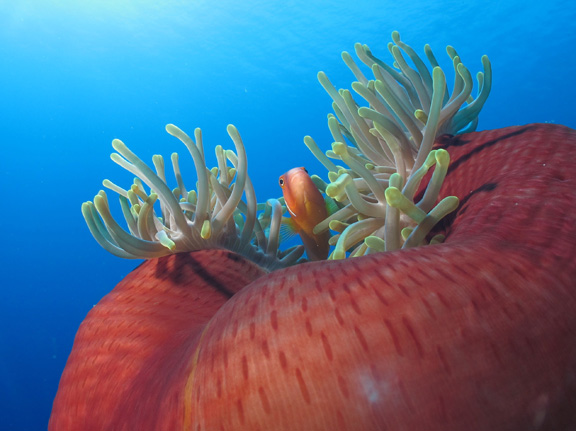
307, 208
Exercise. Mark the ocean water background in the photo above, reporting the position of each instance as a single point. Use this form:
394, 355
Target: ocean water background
76, 74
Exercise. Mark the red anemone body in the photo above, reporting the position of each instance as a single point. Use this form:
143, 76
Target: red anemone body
477, 333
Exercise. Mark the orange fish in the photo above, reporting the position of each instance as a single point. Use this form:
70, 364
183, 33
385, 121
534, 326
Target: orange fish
307, 208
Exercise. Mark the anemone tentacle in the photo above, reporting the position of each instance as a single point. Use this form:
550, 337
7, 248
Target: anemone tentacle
214, 216
408, 108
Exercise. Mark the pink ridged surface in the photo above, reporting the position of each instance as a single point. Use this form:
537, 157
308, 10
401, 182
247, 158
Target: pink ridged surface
131, 355
478, 333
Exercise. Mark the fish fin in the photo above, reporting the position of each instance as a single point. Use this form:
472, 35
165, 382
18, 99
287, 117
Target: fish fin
317, 247
287, 229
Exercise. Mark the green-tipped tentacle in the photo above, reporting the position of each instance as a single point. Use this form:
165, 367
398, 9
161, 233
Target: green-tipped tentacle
214, 216
387, 146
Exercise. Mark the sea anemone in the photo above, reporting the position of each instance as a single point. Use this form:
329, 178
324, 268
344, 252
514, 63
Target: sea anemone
213, 216
391, 148
475, 333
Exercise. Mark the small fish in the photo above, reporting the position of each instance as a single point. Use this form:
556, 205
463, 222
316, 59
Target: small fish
307, 208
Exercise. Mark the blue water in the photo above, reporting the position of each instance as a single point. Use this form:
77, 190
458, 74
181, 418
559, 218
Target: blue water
76, 74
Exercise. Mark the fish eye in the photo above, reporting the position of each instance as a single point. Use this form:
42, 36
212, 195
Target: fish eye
281, 181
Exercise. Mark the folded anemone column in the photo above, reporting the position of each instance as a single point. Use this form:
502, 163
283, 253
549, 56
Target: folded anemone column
456, 319
135, 351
